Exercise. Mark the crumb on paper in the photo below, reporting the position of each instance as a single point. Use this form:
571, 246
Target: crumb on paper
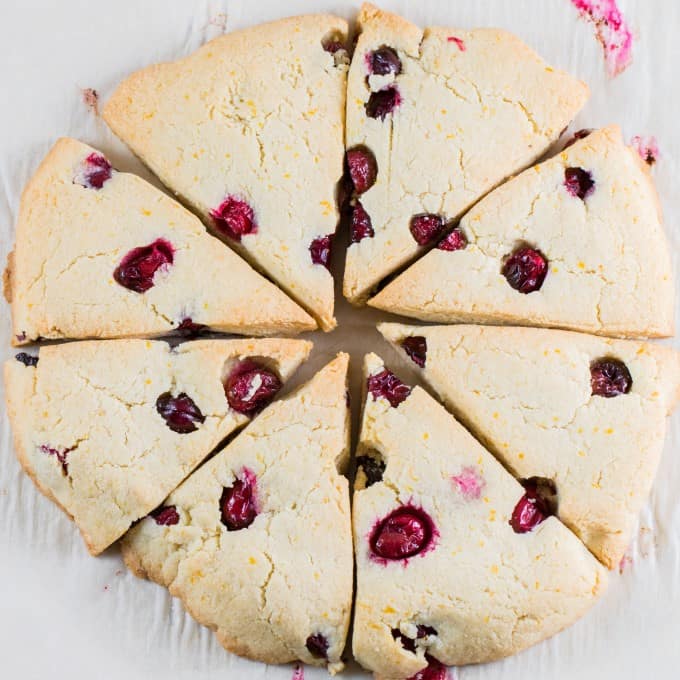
90, 99
647, 148
612, 31
219, 21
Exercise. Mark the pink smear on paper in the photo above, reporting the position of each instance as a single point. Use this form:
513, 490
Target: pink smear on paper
626, 561
647, 148
298, 672
469, 483
460, 43
612, 31
91, 99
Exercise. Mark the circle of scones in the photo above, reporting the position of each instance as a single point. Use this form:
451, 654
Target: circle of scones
459, 559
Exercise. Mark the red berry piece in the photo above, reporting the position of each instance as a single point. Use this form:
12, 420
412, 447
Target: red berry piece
405, 532
579, 134
362, 167
579, 182
361, 224
317, 645
180, 413
435, 670
234, 218
385, 384
320, 250
250, 387
610, 378
525, 270
383, 102
238, 504
415, 347
537, 504
188, 329
137, 269
455, 240
165, 516
426, 228
383, 61
93, 172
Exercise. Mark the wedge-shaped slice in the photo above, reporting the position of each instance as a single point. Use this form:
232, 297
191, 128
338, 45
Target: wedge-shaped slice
257, 543
248, 130
436, 119
456, 562
575, 242
107, 429
588, 413
104, 254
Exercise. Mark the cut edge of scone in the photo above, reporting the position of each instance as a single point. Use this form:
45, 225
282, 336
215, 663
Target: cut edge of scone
157, 556
21, 376
608, 546
276, 313
415, 292
121, 115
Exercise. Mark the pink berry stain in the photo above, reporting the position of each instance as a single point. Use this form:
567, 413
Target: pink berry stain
250, 387
460, 44
320, 250
469, 483
426, 228
385, 384
361, 227
612, 31
234, 218
455, 240
93, 171
180, 413
165, 516
238, 503
298, 672
647, 148
404, 533
138, 268
435, 670
60, 454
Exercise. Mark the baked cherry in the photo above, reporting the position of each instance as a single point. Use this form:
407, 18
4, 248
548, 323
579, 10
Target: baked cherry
525, 269
317, 645
415, 347
579, 182
373, 468
405, 532
426, 228
362, 168
180, 413
383, 61
455, 240
26, 359
165, 516
234, 218
386, 384
381, 103
250, 387
320, 250
60, 454
537, 504
138, 268
93, 172
238, 503
610, 378
361, 224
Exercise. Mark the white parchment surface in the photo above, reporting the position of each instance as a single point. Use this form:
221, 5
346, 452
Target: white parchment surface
65, 615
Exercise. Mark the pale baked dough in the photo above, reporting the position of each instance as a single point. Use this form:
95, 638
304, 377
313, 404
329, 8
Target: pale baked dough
96, 401
265, 588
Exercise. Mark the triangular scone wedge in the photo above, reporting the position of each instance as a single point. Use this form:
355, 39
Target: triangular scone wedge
249, 132
257, 543
528, 394
104, 254
108, 429
605, 257
465, 587
470, 109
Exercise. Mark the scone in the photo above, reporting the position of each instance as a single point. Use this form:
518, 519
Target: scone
588, 413
436, 119
248, 130
104, 254
456, 562
106, 429
576, 242
257, 543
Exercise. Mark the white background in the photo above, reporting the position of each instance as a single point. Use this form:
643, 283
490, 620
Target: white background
64, 614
